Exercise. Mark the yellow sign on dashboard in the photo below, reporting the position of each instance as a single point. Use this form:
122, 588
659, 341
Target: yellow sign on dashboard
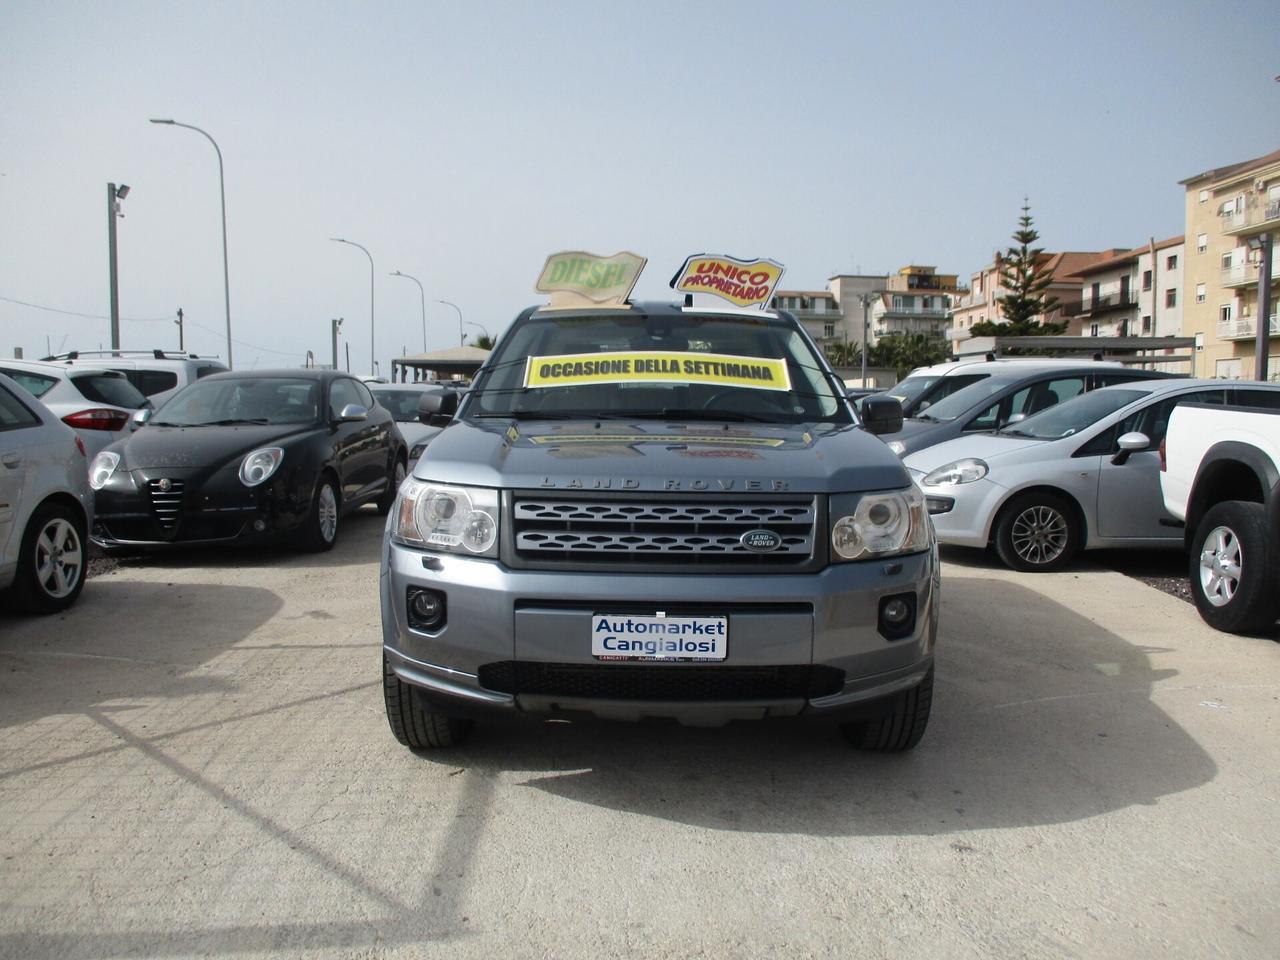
744, 283
657, 366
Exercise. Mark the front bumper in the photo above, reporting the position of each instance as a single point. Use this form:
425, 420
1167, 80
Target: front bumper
798, 643
971, 509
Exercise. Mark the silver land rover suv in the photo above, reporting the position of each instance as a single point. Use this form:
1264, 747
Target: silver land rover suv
654, 510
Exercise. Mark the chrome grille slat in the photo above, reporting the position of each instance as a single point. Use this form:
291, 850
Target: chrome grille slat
676, 530
166, 504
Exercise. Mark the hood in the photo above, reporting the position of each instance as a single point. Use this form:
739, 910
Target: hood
154, 447
984, 446
661, 456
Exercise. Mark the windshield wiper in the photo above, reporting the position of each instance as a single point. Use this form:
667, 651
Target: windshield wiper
536, 415
260, 421
689, 413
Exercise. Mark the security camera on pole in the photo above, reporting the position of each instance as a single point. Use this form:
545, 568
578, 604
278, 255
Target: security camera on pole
114, 196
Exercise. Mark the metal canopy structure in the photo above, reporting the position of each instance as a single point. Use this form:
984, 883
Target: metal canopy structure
440, 364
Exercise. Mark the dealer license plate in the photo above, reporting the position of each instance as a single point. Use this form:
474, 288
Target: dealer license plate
626, 636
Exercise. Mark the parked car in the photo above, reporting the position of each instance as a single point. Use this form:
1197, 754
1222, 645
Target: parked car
401, 400
158, 374
924, 385
1016, 391
1082, 474
45, 504
1220, 478
98, 403
244, 456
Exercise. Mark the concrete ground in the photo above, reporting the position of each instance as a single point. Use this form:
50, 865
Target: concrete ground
195, 761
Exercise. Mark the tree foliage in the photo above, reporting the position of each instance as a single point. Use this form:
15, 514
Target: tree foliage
1025, 277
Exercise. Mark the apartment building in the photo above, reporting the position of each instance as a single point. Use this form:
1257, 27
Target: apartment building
1226, 209
1135, 293
834, 315
916, 299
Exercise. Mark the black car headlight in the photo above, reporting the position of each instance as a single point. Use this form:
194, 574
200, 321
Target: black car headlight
258, 465
873, 525
435, 516
418, 449
103, 466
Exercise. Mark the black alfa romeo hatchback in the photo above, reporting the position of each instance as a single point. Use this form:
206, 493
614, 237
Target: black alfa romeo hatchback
245, 456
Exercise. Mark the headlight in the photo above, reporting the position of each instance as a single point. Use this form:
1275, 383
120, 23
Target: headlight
898, 447
961, 471
879, 524
258, 466
455, 519
103, 466
418, 449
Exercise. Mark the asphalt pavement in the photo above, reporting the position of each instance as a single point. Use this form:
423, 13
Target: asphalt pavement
195, 761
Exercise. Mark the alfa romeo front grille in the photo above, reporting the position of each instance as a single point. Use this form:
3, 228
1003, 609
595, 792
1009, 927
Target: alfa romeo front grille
166, 503
665, 531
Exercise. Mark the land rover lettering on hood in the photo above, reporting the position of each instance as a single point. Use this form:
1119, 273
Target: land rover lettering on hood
658, 510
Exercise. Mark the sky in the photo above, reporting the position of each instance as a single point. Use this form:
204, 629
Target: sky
462, 143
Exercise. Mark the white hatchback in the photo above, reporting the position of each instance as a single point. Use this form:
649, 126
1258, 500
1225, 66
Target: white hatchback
99, 403
45, 506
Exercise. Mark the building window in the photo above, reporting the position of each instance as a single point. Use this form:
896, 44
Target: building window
1146, 324
1226, 313
829, 329
1199, 293
1171, 297
1093, 330
1146, 279
1204, 196
1171, 262
1226, 261
1202, 243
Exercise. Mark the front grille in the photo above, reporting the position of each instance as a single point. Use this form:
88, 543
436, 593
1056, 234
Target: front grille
661, 530
668, 682
166, 504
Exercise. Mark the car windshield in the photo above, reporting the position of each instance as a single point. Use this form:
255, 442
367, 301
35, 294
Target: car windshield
675, 366
910, 388
1072, 416
401, 404
263, 400
110, 388
961, 401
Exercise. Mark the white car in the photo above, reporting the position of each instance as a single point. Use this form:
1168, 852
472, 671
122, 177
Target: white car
157, 374
99, 403
1082, 474
45, 505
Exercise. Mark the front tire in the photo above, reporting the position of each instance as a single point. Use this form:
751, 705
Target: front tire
322, 522
412, 720
901, 728
53, 560
388, 498
1037, 533
1232, 582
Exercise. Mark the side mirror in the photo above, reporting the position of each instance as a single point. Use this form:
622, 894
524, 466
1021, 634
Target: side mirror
437, 407
353, 412
141, 416
882, 415
1130, 443
1016, 418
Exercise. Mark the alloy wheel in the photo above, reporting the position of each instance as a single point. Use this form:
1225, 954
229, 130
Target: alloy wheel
1039, 535
59, 558
328, 510
1220, 566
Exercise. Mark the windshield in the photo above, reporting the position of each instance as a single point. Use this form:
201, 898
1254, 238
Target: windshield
1072, 416
910, 388
401, 404
679, 366
262, 400
962, 400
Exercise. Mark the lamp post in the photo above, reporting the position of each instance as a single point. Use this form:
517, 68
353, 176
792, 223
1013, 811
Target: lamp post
114, 196
480, 327
462, 337
334, 325
222, 196
372, 353
866, 301
423, 297
1262, 342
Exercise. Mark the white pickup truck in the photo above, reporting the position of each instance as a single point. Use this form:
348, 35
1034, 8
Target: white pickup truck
1221, 476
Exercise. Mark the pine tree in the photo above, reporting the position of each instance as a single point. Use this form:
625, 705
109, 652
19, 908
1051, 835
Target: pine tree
1023, 275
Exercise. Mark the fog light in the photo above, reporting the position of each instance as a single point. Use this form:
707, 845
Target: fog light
259, 525
897, 616
426, 608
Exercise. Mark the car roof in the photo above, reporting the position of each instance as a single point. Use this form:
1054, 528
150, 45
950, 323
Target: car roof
660, 308
58, 369
299, 373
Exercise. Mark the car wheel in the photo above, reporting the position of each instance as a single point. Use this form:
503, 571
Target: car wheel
322, 524
1037, 533
901, 728
1231, 580
388, 498
412, 720
51, 566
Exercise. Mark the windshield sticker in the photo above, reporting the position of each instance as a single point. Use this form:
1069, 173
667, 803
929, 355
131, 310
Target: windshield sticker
576, 279
657, 366
744, 283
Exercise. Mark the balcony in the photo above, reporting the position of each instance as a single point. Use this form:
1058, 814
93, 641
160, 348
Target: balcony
1255, 218
1090, 307
1246, 274
1245, 328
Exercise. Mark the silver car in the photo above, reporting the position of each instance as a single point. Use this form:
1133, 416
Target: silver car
1082, 474
401, 401
45, 507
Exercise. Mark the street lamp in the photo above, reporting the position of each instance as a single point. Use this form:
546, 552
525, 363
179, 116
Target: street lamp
462, 337
480, 327
423, 297
372, 353
1262, 245
222, 195
114, 196
866, 299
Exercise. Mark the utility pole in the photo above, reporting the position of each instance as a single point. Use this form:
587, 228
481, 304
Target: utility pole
865, 298
335, 324
1262, 344
348, 346
181, 345
114, 196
